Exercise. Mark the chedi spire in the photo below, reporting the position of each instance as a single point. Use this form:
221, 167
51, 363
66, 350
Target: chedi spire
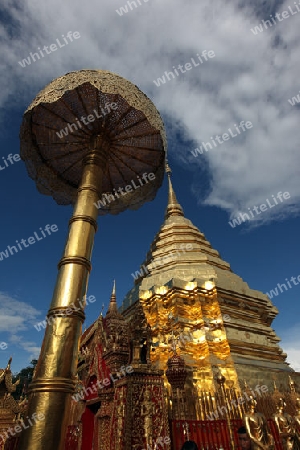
116, 348
173, 208
112, 308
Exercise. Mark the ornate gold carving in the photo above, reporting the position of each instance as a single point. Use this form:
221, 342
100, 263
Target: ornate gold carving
147, 413
257, 428
285, 426
130, 133
297, 422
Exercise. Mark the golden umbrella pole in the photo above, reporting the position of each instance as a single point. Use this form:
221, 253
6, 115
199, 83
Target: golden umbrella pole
76, 152
54, 382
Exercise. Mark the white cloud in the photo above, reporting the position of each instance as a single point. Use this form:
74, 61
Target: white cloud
293, 357
251, 79
16, 317
290, 338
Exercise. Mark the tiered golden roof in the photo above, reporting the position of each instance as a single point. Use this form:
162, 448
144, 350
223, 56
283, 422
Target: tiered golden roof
223, 324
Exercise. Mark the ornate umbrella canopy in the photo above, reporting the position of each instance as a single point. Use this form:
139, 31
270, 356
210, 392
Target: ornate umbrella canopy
62, 125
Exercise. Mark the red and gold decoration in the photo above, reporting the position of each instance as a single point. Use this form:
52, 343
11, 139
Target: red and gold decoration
11, 411
190, 354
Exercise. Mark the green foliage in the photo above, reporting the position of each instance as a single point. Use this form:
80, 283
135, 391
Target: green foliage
25, 377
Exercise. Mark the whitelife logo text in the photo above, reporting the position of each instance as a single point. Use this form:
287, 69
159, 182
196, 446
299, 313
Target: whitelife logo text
294, 100
263, 207
18, 428
86, 120
169, 257
188, 66
124, 9
275, 290
284, 14
53, 47
225, 136
65, 312
11, 158
111, 197
31, 240
224, 410
100, 384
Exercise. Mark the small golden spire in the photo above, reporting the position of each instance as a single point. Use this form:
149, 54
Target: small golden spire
102, 309
112, 308
291, 384
173, 208
8, 364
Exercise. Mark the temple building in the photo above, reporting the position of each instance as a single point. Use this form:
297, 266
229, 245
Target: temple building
190, 348
221, 323
11, 411
196, 337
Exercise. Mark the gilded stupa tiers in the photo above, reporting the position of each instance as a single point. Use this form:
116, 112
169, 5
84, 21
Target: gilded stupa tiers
191, 342
220, 323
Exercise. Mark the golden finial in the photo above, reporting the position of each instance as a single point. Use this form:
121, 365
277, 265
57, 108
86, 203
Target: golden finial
291, 384
173, 208
8, 364
112, 308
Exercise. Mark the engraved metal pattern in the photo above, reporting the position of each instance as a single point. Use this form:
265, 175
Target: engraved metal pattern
133, 132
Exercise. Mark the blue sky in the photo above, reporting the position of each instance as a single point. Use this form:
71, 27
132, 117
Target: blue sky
250, 78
